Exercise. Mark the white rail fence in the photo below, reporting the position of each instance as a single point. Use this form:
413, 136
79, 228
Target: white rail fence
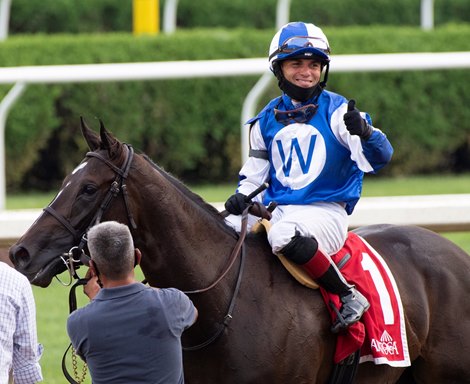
440, 213
20, 77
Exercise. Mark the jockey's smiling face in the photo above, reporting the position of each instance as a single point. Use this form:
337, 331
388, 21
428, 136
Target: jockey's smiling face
304, 73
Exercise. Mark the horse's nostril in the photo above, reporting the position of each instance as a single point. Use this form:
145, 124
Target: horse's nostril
19, 256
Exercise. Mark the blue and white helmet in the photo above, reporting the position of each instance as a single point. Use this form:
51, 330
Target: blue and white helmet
298, 39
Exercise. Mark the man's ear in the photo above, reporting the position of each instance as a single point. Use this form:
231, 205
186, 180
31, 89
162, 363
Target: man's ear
138, 256
93, 269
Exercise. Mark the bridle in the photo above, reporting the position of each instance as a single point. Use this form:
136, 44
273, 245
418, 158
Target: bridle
74, 255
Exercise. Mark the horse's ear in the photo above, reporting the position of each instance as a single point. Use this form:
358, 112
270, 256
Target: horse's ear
108, 141
92, 139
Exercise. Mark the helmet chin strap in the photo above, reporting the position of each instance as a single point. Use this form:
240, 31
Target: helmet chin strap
294, 91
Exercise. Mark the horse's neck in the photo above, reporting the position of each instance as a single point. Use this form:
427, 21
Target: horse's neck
187, 241
175, 216
185, 244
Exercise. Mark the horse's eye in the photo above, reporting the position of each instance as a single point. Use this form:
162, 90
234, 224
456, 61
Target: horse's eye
89, 189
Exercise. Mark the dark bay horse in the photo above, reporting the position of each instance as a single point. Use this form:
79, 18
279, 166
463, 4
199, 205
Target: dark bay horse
278, 331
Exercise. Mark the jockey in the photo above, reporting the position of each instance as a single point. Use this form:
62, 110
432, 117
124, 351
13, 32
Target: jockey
313, 147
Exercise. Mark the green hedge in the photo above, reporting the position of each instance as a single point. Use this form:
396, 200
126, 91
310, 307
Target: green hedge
262, 13
72, 16
192, 126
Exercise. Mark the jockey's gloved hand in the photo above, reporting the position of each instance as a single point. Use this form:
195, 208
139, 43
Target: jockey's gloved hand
237, 203
355, 124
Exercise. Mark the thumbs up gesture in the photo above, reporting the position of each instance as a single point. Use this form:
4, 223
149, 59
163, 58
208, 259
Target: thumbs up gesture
355, 124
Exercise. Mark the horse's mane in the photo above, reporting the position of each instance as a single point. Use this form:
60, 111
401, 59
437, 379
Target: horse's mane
179, 185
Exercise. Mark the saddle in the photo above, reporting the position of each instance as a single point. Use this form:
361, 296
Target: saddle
295, 270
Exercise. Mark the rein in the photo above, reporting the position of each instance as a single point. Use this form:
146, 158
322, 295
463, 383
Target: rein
233, 256
76, 253
239, 249
72, 307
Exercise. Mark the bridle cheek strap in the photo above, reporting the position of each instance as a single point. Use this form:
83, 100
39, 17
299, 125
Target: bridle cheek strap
117, 186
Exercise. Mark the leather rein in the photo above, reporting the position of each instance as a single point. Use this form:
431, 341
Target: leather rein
76, 254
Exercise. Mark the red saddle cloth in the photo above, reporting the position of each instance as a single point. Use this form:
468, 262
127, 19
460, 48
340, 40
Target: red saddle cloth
381, 333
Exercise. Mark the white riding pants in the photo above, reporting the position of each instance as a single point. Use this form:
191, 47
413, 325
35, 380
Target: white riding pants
326, 222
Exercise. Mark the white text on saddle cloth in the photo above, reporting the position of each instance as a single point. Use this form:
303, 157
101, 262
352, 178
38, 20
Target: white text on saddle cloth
384, 340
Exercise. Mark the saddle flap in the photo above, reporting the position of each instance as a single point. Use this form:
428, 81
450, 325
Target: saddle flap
295, 270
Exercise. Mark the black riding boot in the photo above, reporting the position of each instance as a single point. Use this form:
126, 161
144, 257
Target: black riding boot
331, 279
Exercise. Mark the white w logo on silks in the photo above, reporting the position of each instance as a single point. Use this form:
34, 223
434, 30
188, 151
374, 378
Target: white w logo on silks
298, 155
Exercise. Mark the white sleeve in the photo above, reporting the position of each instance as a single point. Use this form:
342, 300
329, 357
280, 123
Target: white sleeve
352, 142
256, 170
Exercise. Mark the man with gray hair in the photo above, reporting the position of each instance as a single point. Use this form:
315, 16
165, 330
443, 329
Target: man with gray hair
128, 333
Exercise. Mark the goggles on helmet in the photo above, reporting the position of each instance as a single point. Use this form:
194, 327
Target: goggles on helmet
298, 115
297, 43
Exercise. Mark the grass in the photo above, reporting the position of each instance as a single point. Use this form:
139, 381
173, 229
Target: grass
52, 303
29, 200
416, 185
